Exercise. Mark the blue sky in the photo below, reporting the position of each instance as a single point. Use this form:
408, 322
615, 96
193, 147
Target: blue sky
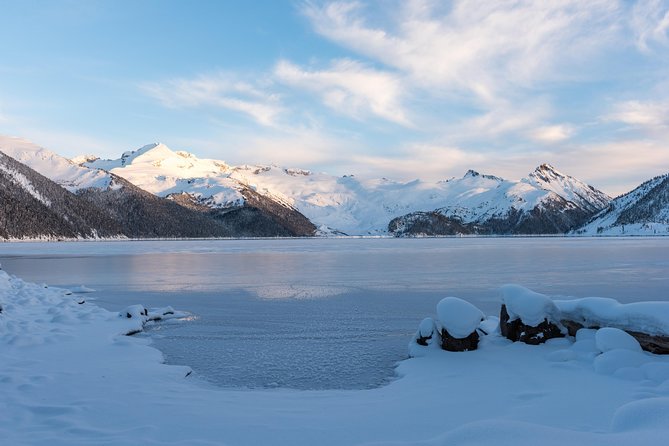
401, 89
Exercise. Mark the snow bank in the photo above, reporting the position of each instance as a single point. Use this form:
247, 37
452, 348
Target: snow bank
609, 338
426, 328
646, 317
459, 317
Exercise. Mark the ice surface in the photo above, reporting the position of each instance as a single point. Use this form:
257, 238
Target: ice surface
327, 313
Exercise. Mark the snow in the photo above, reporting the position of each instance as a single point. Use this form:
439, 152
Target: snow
53, 166
528, 306
426, 328
68, 376
459, 317
653, 223
548, 178
647, 317
609, 338
336, 205
20, 180
161, 171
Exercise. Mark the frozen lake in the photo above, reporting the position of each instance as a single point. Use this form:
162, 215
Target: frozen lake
328, 313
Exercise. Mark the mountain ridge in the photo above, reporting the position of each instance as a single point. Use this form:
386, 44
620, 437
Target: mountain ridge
346, 204
270, 199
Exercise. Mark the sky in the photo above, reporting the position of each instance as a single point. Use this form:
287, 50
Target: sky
398, 89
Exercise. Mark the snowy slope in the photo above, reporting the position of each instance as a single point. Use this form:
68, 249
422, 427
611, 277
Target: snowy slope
546, 202
643, 211
53, 166
347, 204
546, 177
159, 170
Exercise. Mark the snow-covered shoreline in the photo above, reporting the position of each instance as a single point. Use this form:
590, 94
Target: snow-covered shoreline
339, 237
69, 376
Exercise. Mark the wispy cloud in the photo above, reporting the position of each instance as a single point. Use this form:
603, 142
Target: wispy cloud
350, 88
222, 90
650, 23
479, 46
503, 61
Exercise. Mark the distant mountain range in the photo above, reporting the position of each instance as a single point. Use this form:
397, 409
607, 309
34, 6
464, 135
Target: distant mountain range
157, 192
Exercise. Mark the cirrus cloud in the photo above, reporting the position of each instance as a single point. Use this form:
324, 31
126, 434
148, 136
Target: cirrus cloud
350, 88
223, 90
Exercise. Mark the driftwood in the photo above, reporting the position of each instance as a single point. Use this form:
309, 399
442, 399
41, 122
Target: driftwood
657, 344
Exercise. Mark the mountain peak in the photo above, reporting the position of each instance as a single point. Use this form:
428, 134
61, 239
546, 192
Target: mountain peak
473, 174
547, 171
548, 178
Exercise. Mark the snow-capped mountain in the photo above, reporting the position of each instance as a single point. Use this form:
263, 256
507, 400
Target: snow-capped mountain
586, 197
546, 202
643, 211
57, 168
362, 207
148, 214
161, 171
271, 200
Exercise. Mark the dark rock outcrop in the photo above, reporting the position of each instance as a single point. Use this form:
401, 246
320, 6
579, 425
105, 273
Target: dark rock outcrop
516, 330
427, 224
555, 217
453, 344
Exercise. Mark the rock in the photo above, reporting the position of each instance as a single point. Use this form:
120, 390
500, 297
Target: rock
516, 330
453, 344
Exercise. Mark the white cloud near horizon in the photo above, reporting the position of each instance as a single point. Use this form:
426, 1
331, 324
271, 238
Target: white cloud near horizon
552, 133
647, 114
